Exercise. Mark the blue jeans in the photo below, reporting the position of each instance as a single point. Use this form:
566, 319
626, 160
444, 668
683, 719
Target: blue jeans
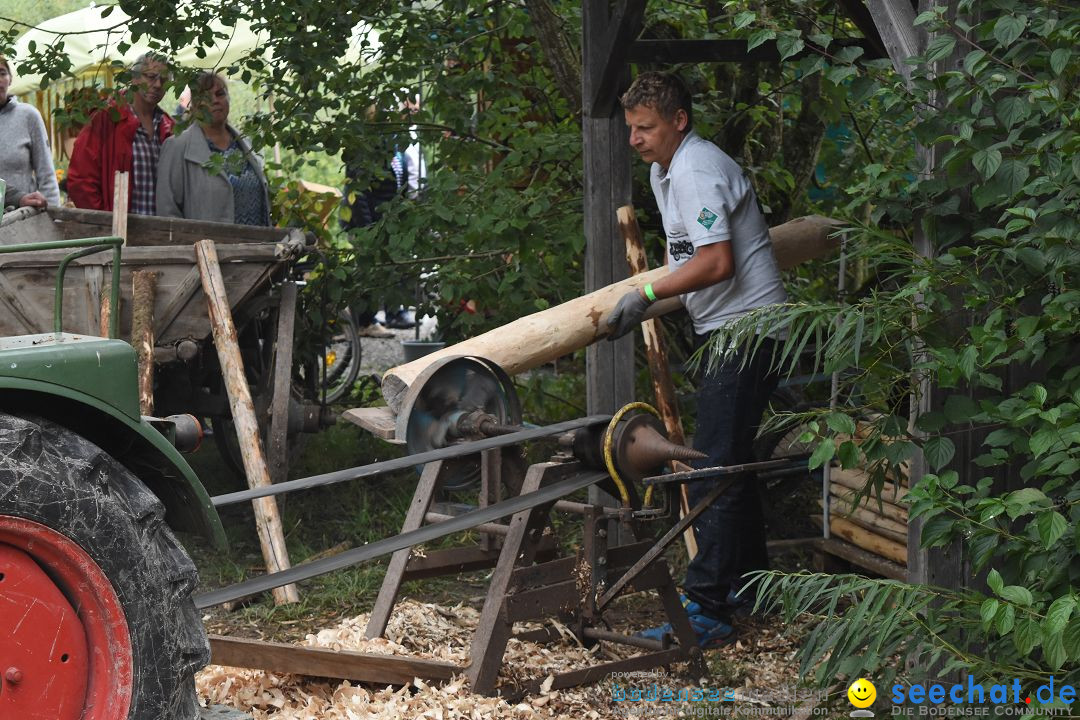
731, 532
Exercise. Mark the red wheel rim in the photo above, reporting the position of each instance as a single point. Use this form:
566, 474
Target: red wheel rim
108, 663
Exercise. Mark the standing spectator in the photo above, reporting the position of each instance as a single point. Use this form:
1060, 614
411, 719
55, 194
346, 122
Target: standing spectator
25, 158
124, 137
722, 266
209, 172
390, 180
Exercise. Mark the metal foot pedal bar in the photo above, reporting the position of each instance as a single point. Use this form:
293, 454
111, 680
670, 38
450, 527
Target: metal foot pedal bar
403, 463
544, 495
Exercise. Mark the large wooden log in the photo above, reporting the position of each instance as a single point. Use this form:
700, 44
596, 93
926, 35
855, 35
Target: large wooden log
656, 351
539, 338
845, 495
267, 520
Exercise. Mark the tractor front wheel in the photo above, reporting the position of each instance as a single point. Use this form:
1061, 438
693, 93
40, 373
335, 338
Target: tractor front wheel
97, 621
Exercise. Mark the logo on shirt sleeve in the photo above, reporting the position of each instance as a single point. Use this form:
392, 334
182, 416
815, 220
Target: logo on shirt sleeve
706, 218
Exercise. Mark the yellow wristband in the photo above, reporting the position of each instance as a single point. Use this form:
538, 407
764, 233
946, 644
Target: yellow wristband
649, 293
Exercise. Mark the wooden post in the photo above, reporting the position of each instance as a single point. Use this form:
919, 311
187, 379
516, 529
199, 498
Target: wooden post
656, 351
278, 437
267, 519
143, 292
119, 229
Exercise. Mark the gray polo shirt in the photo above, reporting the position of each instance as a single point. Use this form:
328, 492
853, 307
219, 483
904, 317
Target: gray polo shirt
704, 197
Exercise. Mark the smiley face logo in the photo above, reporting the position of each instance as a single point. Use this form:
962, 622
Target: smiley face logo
862, 693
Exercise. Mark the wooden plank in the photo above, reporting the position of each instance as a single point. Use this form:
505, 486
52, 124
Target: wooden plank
278, 454
28, 315
320, 662
414, 518
182, 294
92, 278
379, 421
151, 230
267, 520
494, 629
652, 331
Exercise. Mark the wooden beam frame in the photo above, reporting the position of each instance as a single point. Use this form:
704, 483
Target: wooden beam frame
693, 51
601, 77
895, 22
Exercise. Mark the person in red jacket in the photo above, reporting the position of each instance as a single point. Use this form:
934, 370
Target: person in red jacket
125, 137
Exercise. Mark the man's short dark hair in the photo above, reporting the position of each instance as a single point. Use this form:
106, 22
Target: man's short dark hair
663, 92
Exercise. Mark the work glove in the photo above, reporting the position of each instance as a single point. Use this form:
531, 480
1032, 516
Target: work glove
627, 314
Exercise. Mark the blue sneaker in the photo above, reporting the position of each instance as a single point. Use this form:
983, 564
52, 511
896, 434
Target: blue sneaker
711, 632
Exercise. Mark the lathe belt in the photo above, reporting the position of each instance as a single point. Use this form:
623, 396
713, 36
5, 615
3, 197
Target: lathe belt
547, 494
402, 463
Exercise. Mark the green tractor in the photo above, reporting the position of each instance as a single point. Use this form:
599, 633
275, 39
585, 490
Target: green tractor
96, 613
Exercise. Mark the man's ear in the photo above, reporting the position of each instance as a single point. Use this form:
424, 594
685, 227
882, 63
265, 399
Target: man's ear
681, 120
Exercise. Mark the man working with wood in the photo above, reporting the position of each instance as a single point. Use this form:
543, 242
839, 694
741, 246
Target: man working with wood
722, 266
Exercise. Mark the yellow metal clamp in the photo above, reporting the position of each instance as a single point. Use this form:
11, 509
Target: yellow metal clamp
609, 441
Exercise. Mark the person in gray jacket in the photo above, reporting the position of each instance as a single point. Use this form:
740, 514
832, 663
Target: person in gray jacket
209, 172
25, 158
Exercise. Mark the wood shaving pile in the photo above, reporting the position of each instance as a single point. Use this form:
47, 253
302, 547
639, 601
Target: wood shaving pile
418, 630
764, 659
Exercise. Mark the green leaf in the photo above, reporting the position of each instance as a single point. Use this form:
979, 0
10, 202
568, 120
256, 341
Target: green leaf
988, 611
840, 423
823, 453
972, 60
745, 19
1051, 526
1014, 174
1058, 614
759, 36
960, 408
994, 582
1012, 110
848, 454
1042, 441
941, 47
987, 162
1017, 594
1027, 636
1071, 638
1024, 501
1059, 60
939, 451
1054, 652
1008, 28
1005, 619
789, 44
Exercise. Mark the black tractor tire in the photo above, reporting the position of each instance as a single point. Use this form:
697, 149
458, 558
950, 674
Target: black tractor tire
54, 477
